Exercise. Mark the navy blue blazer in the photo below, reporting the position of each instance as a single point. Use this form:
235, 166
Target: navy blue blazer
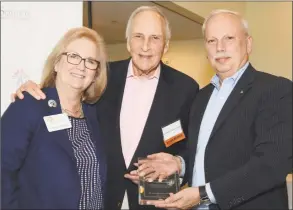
39, 169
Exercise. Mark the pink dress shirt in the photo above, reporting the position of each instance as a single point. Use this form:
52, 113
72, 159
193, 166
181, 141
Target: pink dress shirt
137, 100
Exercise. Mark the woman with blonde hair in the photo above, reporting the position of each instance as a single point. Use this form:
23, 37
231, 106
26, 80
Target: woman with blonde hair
52, 150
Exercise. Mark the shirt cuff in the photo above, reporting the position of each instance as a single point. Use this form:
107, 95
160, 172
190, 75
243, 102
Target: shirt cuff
210, 193
182, 172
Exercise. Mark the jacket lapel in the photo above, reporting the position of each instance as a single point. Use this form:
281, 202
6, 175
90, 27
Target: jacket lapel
242, 87
197, 112
117, 85
61, 136
120, 81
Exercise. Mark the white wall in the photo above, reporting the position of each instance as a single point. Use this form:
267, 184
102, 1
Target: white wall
29, 31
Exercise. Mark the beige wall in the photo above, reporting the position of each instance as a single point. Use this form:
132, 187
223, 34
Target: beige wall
204, 8
187, 56
190, 57
270, 25
117, 51
271, 30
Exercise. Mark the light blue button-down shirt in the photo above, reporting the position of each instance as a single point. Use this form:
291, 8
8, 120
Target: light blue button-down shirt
217, 100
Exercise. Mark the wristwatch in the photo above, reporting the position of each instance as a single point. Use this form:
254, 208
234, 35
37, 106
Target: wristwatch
203, 194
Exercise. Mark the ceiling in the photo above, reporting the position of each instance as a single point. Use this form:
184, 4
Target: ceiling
110, 19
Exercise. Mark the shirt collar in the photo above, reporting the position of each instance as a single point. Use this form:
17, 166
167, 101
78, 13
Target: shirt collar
130, 72
234, 78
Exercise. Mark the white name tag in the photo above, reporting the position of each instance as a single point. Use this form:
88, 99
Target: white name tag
57, 122
173, 133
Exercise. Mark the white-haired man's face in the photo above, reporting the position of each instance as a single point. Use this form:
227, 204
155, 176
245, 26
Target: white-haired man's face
146, 42
227, 44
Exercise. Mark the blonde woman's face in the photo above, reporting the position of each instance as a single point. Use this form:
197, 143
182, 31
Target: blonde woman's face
78, 65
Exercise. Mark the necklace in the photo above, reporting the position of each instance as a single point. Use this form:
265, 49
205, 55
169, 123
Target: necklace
74, 113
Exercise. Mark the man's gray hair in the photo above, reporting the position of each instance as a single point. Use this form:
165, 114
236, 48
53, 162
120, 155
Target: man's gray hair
148, 8
223, 11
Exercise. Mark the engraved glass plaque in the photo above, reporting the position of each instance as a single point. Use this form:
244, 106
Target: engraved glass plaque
156, 190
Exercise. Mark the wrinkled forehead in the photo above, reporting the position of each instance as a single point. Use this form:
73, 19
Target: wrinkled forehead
148, 23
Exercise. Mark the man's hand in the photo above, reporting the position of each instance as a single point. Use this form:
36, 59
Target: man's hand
30, 87
133, 176
185, 199
159, 165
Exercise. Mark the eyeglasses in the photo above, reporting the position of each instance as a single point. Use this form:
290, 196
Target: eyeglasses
75, 59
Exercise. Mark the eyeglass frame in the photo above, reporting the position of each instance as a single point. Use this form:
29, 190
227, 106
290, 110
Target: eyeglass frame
82, 59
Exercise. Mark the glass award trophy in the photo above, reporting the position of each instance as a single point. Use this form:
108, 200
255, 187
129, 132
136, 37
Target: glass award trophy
156, 190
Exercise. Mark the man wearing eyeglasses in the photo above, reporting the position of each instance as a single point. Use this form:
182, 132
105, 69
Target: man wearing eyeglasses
144, 98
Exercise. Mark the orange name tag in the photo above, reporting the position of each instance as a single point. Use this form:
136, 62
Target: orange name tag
173, 133
174, 139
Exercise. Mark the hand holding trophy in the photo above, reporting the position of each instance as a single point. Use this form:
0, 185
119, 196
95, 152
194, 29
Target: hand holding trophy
158, 177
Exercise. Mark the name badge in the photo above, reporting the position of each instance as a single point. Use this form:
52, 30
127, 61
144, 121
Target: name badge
173, 133
57, 122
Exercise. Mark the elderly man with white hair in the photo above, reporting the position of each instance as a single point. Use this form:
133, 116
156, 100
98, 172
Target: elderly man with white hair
240, 129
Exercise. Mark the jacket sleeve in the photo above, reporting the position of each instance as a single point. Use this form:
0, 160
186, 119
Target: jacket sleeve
16, 132
271, 159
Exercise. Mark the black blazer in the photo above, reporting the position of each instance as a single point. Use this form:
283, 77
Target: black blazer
172, 101
249, 152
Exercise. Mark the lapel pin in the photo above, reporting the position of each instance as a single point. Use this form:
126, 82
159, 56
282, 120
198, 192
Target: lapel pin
52, 103
241, 91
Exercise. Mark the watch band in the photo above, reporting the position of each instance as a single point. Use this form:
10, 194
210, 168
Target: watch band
203, 194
